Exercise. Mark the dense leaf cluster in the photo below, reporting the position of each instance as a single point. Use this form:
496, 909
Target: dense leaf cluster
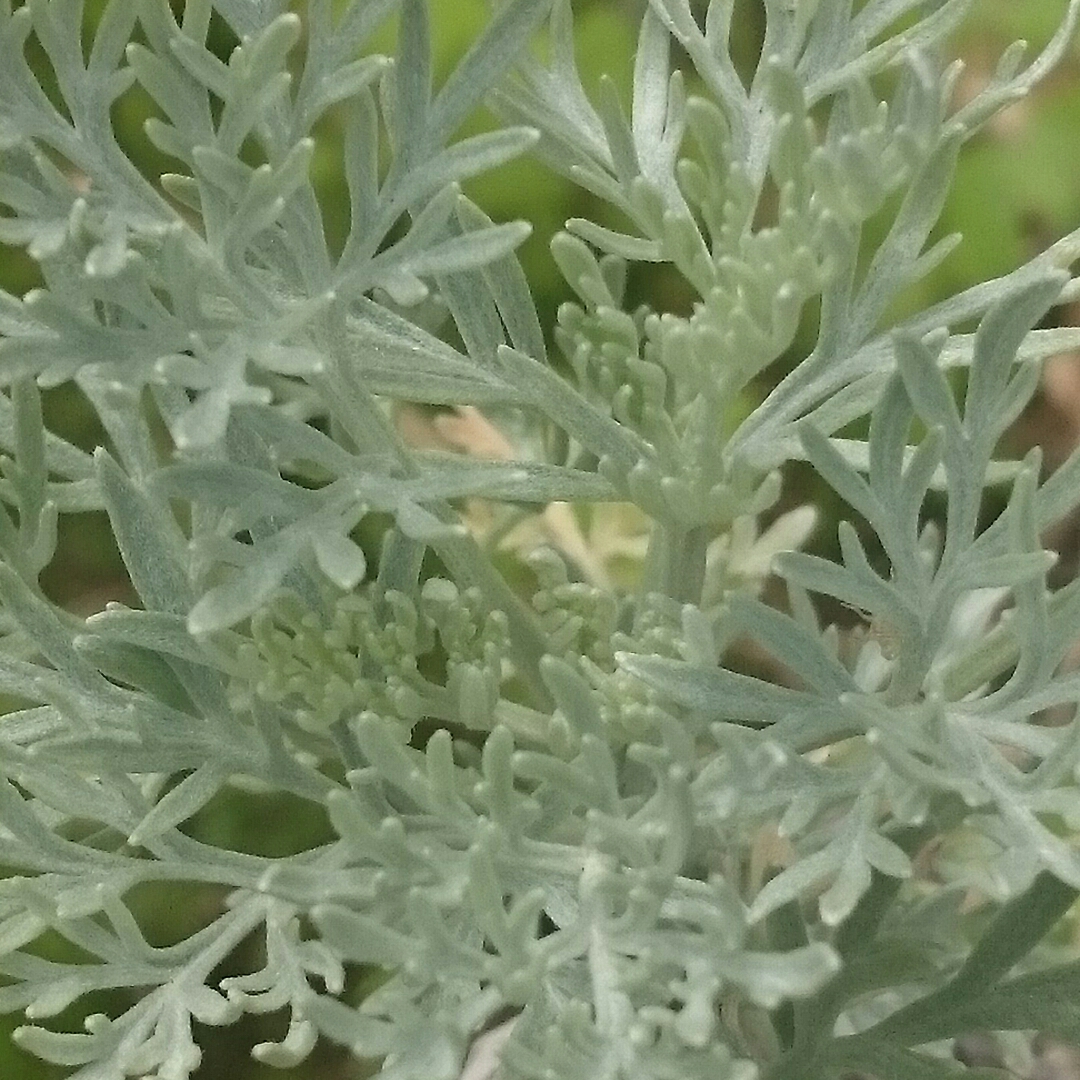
544, 793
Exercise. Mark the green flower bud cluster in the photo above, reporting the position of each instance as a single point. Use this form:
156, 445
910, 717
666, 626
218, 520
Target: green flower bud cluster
579, 619
586, 628
603, 342
629, 708
476, 644
754, 264
381, 652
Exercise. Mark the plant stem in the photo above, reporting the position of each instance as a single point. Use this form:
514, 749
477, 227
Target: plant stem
675, 562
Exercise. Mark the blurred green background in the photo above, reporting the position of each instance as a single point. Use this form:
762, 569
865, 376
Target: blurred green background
1017, 189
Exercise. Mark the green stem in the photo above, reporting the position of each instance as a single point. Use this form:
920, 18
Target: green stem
675, 561
812, 1019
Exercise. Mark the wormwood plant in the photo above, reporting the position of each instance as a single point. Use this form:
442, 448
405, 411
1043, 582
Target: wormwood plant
545, 796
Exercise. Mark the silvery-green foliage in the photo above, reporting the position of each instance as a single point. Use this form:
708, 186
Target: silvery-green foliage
550, 799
